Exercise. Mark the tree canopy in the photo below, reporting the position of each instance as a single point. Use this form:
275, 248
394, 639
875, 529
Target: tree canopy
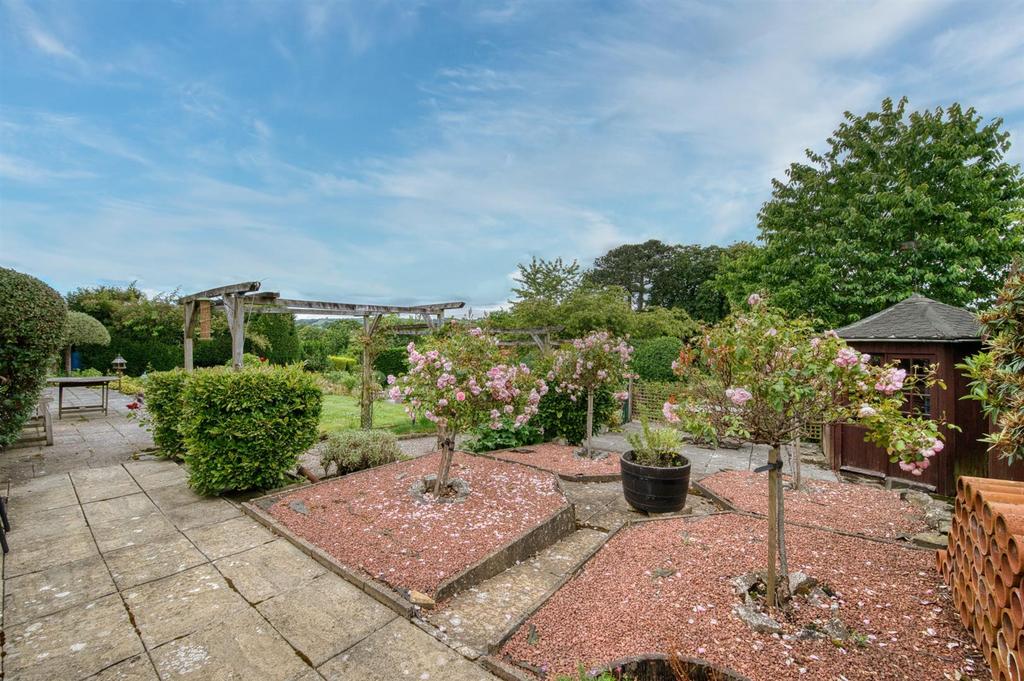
901, 202
690, 281
634, 267
83, 329
544, 279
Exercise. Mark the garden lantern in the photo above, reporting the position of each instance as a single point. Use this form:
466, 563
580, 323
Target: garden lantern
119, 366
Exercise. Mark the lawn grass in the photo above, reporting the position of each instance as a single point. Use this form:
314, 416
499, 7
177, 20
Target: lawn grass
341, 413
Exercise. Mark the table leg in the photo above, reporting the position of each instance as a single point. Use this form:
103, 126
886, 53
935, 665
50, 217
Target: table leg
60, 402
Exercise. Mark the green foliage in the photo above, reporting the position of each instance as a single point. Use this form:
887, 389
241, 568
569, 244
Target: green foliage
391, 361
652, 359
550, 280
997, 373
32, 325
280, 334
249, 361
901, 202
583, 675
131, 386
506, 436
654, 321
341, 363
164, 394
85, 330
319, 341
341, 413
634, 267
561, 416
690, 281
244, 429
596, 308
659, 447
339, 382
360, 449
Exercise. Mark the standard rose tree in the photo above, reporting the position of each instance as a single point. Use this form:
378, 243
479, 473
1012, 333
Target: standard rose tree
588, 364
762, 377
461, 381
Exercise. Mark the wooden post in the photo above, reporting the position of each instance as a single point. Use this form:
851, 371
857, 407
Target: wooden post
447, 442
366, 394
590, 421
773, 526
190, 309
67, 361
234, 309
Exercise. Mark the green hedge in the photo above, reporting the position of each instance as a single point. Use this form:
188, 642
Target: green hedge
392, 361
244, 429
341, 363
164, 391
32, 325
652, 359
559, 416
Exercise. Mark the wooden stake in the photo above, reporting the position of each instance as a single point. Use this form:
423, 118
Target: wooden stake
773, 525
190, 308
590, 422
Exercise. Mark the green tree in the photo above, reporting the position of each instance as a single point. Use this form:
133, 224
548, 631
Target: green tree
82, 330
282, 341
690, 281
551, 280
659, 321
901, 202
634, 267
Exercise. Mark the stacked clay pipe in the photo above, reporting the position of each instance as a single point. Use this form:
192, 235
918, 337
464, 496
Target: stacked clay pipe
983, 564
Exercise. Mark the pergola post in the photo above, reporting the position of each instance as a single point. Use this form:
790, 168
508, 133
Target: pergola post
234, 309
366, 394
190, 310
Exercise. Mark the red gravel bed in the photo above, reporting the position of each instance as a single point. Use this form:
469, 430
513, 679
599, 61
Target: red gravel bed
839, 506
369, 521
619, 607
562, 459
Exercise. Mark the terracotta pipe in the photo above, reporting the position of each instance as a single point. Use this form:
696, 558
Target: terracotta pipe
988, 571
1017, 607
965, 614
980, 485
1000, 591
993, 611
1006, 627
1014, 554
992, 655
978, 559
941, 556
1003, 567
998, 504
1019, 648
1008, 524
1013, 670
1001, 649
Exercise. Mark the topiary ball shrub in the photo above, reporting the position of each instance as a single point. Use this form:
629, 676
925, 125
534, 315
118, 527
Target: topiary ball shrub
560, 416
652, 359
244, 430
32, 326
164, 394
357, 450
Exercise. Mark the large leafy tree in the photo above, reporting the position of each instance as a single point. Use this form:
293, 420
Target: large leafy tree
634, 267
690, 281
551, 280
901, 202
82, 329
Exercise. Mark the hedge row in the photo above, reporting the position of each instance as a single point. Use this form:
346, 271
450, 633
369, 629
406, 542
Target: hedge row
239, 430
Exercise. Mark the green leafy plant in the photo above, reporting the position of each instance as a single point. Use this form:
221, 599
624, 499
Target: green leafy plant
164, 393
583, 675
245, 429
656, 447
652, 359
82, 330
561, 416
507, 436
360, 449
341, 362
130, 385
32, 320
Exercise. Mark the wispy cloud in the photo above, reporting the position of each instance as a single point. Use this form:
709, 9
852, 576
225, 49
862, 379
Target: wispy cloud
37, 35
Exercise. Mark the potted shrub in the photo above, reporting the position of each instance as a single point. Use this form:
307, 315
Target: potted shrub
655, 476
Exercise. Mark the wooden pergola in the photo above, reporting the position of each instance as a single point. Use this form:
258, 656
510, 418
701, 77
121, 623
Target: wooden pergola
540, 337
236, 299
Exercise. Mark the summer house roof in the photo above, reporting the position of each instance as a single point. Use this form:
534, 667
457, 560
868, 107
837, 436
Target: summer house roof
916, 318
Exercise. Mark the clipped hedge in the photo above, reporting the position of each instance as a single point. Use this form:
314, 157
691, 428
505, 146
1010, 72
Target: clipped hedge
652, 359
392, 361
341, 363
360, 449
559, 416
164, 392
32, 326
245, 429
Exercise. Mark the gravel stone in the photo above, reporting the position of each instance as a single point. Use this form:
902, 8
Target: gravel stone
562, 459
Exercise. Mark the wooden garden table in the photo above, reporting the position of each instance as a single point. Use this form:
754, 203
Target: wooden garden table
103, 382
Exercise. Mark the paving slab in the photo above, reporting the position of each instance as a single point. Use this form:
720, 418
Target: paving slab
50, 523
325, 617
108, 482
481, 615
201, 513
152, 475
110, 511
137, 668
41, 593
229, 537
71, 644
269, 569
401, 650
565, 555
181, 604
133, 531
242, 647
41, 494
165, 555
34, 553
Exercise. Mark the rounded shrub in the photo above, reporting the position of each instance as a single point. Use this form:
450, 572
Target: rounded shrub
560, 416
356, 450
341, 363
652, 359
32, 327
164, 394
393, 361
245, 429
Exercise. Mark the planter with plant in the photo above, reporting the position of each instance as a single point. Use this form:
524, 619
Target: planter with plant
655, 475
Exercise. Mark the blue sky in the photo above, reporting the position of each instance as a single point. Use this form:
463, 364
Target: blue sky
415, 152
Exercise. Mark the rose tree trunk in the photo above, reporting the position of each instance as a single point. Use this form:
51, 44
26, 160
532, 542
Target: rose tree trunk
778, 569
447, 442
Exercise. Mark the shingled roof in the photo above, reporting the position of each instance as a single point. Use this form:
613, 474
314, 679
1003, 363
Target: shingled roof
916, 318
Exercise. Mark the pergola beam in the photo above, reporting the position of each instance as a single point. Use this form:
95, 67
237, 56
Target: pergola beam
244, 287
363, 310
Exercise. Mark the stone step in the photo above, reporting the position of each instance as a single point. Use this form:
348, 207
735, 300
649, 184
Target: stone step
483, 616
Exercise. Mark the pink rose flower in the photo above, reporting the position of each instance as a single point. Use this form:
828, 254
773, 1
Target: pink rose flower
460, 396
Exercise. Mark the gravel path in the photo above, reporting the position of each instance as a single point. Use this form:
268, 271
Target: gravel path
663, 586
561, 459
371, 522
831, 505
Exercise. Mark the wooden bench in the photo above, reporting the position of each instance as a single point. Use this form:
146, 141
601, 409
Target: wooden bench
41, 422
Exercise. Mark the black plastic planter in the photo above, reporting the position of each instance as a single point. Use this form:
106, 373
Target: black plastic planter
654, 489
